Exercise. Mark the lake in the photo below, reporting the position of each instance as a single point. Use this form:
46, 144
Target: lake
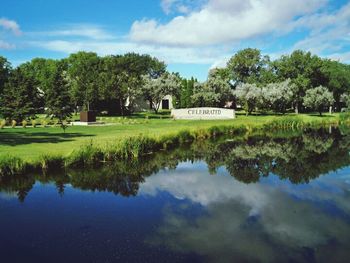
276, 197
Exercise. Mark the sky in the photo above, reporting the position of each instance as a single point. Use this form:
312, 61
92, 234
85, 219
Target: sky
191, 36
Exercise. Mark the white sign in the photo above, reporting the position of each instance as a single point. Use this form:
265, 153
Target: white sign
205, 113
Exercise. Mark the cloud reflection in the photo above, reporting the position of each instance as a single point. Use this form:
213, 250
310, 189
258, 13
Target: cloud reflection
271, 221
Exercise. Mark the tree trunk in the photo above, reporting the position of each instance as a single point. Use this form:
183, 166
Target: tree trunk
296, 108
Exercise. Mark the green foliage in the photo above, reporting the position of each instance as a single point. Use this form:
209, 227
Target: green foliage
51, 162
87, 156
11, 165
18, 101
83, 69
5, 68
318, 99
215, 92
57, 97
247, 66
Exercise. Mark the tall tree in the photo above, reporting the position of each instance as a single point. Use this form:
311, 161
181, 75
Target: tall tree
5, 68
57, 97
337, 79
83, 73
303, 69
215, 92
247, 66
19, 96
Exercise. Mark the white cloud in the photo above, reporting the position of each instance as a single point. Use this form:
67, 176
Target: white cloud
10, 25
167, 54
329, 33
223, 21
180, 6
87, 31
167, 5
6, 45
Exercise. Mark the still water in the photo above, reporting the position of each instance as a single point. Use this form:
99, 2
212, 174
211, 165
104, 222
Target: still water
283, 197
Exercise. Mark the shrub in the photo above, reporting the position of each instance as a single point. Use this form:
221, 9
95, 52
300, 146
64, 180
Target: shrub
43, 123
24, 124
33, 123
2, 124
13, 123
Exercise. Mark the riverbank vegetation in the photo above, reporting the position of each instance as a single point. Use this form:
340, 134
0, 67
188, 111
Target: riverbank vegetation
48, 148
298, 155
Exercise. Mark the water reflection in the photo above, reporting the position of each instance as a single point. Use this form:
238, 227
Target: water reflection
293, 156
272, 221
278, 198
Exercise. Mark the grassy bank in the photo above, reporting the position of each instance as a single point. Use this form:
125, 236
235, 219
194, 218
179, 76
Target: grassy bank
45, 148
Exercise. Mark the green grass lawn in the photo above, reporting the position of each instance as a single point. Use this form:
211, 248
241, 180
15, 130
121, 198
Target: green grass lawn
31, 143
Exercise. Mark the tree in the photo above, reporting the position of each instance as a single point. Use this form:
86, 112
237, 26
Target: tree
303, 69
121, 79
5, 68
247, 66
278, 96
249, 96
57, 97
337, 79
19, 96
83, 72
318, 99
156, 89
215, 92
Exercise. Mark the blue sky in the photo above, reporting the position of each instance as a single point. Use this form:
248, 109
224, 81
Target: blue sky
191, 36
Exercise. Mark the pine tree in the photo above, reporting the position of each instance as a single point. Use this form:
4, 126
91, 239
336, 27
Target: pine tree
19, 97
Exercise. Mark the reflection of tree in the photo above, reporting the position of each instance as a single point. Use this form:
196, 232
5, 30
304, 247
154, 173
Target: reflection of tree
21, 185
298, 158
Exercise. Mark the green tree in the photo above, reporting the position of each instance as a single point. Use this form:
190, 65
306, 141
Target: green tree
57, 99
5, 68
303, 69
337, 79
83, 76
318, 99
19, 96
248, 66
215, 92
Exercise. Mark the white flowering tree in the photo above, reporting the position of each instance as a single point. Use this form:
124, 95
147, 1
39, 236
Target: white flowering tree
249, 96
278, 96
215, 92
155, 89
318, 99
